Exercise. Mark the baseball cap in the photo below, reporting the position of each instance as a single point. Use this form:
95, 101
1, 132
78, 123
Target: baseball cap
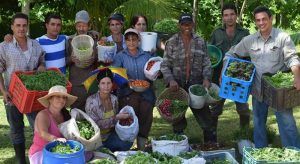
185, 18
82, 16
132, 30
116, 16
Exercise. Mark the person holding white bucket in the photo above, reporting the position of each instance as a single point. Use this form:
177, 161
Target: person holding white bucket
185, 63
46, 122
77, 74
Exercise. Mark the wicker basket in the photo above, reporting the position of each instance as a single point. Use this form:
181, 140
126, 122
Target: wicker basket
181, 94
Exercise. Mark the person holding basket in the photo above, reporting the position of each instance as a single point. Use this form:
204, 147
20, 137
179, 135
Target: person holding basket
185, 63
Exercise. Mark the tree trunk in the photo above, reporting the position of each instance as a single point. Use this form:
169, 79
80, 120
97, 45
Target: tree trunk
222, 3
195, 13
242, 11
26, 9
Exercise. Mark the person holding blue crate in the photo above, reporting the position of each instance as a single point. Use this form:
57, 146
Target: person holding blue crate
270, 50
231, 33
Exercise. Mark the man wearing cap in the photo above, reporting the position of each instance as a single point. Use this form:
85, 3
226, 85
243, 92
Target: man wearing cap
77, 75
22, 54
224, 37
115, 23
186, 63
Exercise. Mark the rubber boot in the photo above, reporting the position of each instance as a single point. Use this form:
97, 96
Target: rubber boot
20, 153
141, 141
210, 136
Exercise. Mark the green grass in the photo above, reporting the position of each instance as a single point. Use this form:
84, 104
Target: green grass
228, 123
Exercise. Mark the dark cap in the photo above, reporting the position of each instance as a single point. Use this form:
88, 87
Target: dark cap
116, 16
185, 18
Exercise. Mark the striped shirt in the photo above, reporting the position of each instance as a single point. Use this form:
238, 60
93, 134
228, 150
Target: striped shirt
55, 51
12, 58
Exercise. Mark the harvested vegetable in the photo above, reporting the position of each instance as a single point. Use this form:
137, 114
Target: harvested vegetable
106, 43
165, 158
214, 94
281, 80
150, 65
126, 122
103, 161
83, 48
240, 70
172, 108
213, 59
86, 129
275, 154
171, 137
188, 155
63, 148
140, 83
42, 81
198, 90
140, 158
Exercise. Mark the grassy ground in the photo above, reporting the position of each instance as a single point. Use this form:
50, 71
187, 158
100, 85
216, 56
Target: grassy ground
228, 123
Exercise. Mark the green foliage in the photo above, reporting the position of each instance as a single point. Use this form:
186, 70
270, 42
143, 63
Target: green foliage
276, 155
64, 148
167, 25
281, 79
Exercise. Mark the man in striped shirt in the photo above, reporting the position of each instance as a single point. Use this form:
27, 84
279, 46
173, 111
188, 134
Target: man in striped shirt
54, 44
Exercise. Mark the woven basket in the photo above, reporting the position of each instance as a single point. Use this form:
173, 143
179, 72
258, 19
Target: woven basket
181, 94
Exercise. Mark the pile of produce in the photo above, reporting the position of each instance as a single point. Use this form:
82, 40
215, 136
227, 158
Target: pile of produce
240, 70
106, 43
42, 81
213, 59
171, 137
83, 48
188, 155
167, 25
198, 90
172, 108
140, 83
103, 161
165, 158
86, 129
126, 122
62, 148
275, 154
139, 158
214, 94
281, 80
150, 65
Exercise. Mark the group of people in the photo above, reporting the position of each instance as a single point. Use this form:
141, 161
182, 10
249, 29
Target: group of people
185, 62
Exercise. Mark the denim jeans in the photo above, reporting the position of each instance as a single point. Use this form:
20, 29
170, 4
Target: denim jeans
286, 124
16, 123
114, 143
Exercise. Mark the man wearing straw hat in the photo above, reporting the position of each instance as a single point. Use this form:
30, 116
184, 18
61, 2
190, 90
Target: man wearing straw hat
78, 74
22, 54
186, 63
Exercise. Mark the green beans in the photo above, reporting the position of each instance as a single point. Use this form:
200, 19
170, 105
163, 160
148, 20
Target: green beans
43, 81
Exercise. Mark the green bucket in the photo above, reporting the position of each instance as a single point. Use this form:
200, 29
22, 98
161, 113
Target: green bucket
215, 55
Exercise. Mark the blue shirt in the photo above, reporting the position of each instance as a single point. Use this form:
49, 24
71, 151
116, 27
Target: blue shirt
55, 50
135, 70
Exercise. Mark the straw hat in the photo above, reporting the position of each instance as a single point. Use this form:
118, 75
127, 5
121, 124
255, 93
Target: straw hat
57, 90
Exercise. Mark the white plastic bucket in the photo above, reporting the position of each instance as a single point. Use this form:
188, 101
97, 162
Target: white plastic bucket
105, 52
196, 102
148, 41
82, 47
170, 147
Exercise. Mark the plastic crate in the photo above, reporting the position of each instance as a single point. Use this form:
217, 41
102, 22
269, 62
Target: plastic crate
219, 156
26, 100
230, 151
279, 98
240, 92
248, 159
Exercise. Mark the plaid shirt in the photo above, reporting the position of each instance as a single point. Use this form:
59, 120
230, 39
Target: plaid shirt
173, 66
12, 58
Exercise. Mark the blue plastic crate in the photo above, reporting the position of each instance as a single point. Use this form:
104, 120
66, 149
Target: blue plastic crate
219, 156
241, 89
248, 158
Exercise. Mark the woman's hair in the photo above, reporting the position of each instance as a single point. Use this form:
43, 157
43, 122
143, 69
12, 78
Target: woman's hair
104, 72
135, 19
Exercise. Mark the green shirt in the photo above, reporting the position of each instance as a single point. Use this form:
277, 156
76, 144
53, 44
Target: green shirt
220, 38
